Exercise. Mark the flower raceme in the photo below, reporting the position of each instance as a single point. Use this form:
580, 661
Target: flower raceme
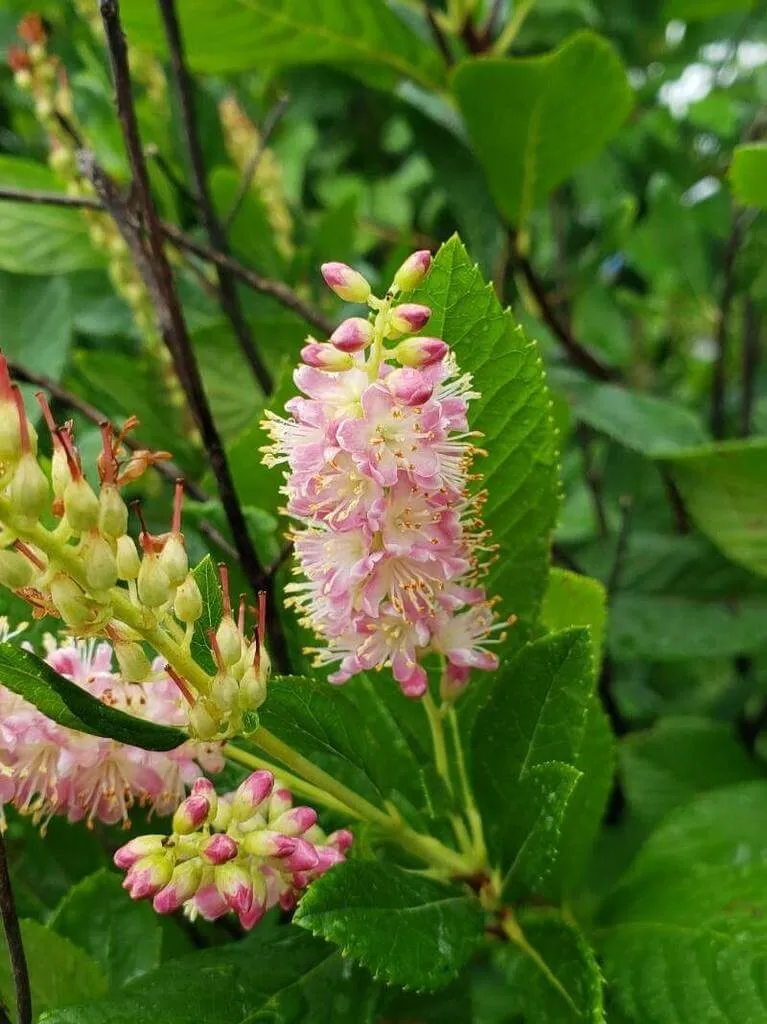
47, 769
378, 455
243, 852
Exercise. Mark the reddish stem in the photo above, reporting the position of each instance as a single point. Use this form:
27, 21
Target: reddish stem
178, 501
181, 683
23, 549
223, 575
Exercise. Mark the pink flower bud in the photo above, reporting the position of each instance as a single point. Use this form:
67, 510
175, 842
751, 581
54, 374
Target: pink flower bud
191, 814
352, 335
348, 284
251, 793
409, 386
235, 886
183, 884
210, 903
303, 858
267, 843
148, 875
326, 357
419, 352
204, 787
408, 318
295, 821
413, 270
327, 857
250, 918
342, 839
219, 849
141, 846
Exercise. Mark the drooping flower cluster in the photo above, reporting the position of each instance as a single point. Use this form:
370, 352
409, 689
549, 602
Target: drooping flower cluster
244, 852
47, 769
378, 458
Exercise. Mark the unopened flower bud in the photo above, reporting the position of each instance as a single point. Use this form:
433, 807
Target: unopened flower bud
202, 724
352, 335
235, 885
253, 689
219, 849
128, 561
60, 475
81, 506
204, 787
113, 512
183, 884
99, 561
324, 356
191, 814
348, 284
419, 352
251, 794
303, 858
409, 386
141, 846
174, 560
135, 667
413, 270
154, 587
408, 318
295, 821
225, 691
16, 571
10, 436
280, 801
148, 875
70, 601
264, 842
229, 641
29, 491
187, 604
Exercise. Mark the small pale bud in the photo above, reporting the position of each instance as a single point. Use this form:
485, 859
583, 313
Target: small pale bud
352, 335
128, 561
135, 667
250, 794
10, 436
99, 561
409, 318
81, 506
141, 846
183, 884
154, 588
148, 875
413, 270
409, 386
252, 689
202, 723
224, 692
29, 491
16, 571
219, 849
264, 842
187, 604
70, 602
235, 885
348, 284
113, 512
418, 352
173, 559
191, 814
60, 475
229, 641
323, 356
295, 821
204, 787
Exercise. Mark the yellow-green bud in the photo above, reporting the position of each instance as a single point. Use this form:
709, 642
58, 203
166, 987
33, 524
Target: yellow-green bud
135, 667
113, 512
173, 559
60, 475
229, 641
128, 561
16, 571
201, 723
81, 506
253, 689
29, 492
187, 603
10, 435
99, 561
225, 692
153, 584
70, 601
413, 270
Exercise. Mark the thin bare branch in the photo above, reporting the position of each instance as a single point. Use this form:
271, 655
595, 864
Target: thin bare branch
267, 130
14, 941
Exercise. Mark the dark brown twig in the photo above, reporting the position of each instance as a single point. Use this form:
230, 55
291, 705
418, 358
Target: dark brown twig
13, 939
719, 377
173, 179
748, 366
230, 300
488, 29
621, 548
267, 130
439, 37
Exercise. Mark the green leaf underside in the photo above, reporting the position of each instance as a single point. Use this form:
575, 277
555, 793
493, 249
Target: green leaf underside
550, 115
408, 930
69, 705
525, 746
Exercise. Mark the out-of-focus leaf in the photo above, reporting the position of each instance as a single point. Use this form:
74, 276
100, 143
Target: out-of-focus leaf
548, 116
250, 233
748, 174
691, 10
36, 322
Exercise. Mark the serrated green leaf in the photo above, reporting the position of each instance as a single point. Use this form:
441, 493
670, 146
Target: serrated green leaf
206, 578
71, 706
524, 750
549, 115
367, 40
575, 600
408, 930
278, 974
60, 973
123, 936
37, 322
748, 174
724, 489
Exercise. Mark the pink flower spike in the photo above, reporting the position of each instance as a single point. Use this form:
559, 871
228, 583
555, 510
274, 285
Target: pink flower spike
413, 270
352, 335
219, 849
348, 284
409, 386
183, 884
323, 356
190, 815
409, 318
295, 821
148, 875
235, 886
418, 352
251, 794
141, 846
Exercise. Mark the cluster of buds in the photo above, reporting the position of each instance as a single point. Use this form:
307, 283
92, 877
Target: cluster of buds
89, 571
244, 852
378, 450
39, 73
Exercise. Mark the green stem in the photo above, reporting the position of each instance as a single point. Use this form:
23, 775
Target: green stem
473, 815
376, 349
505, 40
434, 718
512, 929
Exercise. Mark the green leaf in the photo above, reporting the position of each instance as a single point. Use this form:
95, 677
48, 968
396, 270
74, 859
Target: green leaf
549, 115
693, 10
206, 578
724, 489
525, 746
748, 174
683, 936
37, 322
575, 600
513, 413
229, 383
71, 706
123, 936
408, 930
60, 973
277, 974
251, 234
368, 40
665, 767
38, 239
563, 983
